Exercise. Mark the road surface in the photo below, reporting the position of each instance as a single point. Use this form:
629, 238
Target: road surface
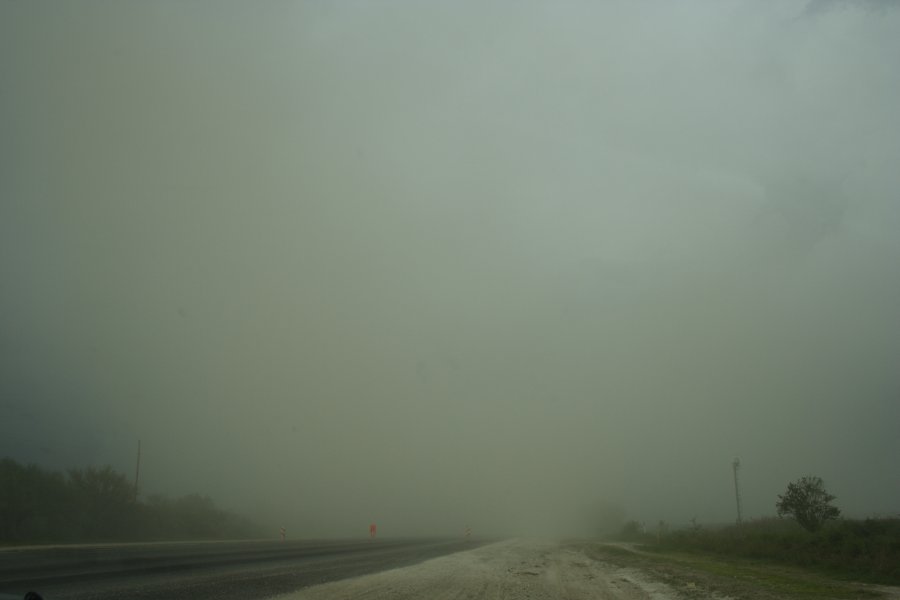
223, 570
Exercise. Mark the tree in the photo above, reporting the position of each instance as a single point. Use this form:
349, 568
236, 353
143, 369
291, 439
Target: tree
39, 505
606, 518
104, 500
807, 501
32, 502
630, 531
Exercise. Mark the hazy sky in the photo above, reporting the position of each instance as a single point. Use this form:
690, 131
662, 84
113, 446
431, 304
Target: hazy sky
438, 264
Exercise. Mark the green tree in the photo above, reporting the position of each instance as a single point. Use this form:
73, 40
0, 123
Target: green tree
807, 501
606, 518
197, 517
32, 502
39, 505
104, 500
630, 531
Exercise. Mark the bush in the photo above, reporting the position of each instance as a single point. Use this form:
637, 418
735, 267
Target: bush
807, 501
38, 505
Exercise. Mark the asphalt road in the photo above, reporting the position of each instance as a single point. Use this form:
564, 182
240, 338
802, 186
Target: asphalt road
221, 570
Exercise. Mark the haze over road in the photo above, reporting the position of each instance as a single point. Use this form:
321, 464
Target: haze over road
439, 265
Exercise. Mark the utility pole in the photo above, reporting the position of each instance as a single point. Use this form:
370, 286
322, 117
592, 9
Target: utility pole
737, 489
137, 472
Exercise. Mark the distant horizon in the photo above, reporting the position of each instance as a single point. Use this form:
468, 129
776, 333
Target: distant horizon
519, 267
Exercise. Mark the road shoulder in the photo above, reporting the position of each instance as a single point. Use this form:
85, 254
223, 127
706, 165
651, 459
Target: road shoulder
509, 570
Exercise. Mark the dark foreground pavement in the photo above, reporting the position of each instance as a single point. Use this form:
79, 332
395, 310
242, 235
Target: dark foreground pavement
221, 570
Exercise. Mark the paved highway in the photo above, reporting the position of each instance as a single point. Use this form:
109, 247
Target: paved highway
221, 570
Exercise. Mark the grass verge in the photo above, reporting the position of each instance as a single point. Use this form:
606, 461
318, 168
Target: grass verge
699, 575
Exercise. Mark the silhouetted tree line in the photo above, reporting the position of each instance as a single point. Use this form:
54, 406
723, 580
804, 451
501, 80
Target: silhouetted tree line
99, 504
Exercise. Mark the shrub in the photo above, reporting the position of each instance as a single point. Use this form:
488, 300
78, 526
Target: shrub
807, 501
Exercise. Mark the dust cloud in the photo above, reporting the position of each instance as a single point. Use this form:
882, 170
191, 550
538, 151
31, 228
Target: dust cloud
521, 267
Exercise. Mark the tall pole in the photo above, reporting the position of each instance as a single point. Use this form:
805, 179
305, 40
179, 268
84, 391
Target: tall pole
137, 472
737, 489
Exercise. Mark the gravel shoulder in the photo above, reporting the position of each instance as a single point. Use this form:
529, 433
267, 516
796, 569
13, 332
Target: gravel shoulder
514, 569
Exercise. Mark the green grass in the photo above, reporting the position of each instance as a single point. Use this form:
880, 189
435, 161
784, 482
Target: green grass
734, 576
866, 550
763, 575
